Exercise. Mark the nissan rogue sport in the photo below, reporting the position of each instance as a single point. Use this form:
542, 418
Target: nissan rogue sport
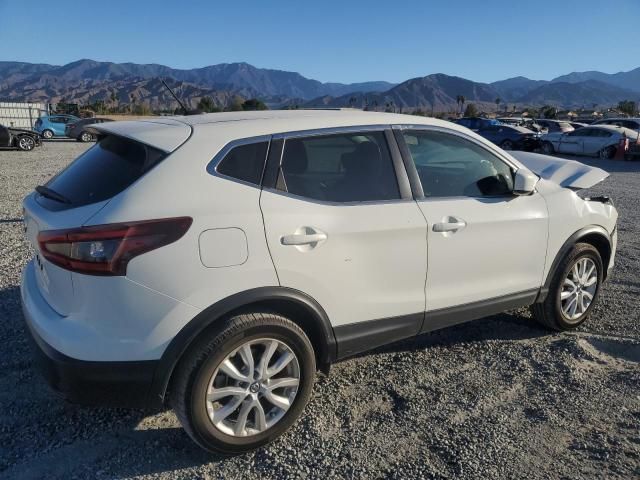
216, 262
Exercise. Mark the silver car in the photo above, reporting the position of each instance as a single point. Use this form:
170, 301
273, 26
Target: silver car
601, 141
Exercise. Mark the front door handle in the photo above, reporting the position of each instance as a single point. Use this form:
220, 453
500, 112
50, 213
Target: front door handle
449, 224
304, 236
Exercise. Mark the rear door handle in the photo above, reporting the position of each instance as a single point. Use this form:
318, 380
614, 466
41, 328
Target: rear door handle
304, 236
449, 224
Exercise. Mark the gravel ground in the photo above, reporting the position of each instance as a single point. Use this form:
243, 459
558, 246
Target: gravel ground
495, 398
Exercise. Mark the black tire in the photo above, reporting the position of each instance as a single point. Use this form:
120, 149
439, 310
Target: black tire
25, 143
549, 312
507, 145
547, 148
86, 137
191, 379
48, 134
607, 152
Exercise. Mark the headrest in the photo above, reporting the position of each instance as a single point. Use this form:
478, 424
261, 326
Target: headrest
295, 157
365, 157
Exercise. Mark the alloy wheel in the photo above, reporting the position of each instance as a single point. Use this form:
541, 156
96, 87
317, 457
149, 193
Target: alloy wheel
86, 137
507, 145
26, 143
253, 387
579, 289
48, 134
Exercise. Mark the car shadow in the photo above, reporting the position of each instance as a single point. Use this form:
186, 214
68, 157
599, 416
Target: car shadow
75, 440
511, 326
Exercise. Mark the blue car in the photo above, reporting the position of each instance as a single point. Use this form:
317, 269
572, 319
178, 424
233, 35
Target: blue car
476, 123
53, 125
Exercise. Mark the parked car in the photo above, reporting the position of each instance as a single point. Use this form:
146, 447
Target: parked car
511, 137
53, 125
217, 261
631, 123
577, 125
18, 138
79, 130
552, 126
595, 140
476, 123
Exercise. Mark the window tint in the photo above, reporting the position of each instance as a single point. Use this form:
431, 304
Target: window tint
104, 170
450, 166
600, 133
581, 132
245, 162
353, 167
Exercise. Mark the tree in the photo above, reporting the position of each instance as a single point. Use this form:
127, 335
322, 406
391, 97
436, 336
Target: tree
460, 99
207, 105
549, 111
471, 111
236, 104
498, 104
254, 104
629, 107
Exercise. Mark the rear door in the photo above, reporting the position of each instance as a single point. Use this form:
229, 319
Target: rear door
342, 227
485, 244
572, 142
598, 139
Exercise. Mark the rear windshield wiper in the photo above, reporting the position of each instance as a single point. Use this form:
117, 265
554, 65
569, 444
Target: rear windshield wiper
52, 194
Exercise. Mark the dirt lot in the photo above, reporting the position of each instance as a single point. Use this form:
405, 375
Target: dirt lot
496, 398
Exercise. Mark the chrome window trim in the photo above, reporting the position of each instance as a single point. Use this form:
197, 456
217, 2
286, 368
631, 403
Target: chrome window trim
331, 130
327, 203
212, 166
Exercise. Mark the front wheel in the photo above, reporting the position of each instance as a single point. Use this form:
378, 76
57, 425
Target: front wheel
48, 134
573, 291
507, 145
245, 384
25, 143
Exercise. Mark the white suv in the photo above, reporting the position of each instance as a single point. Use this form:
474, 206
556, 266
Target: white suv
217, 261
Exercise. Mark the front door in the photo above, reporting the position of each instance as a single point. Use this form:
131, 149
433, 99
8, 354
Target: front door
485, 244
340, 230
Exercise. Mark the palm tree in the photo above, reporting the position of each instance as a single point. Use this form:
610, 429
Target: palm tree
498, 104
462, 100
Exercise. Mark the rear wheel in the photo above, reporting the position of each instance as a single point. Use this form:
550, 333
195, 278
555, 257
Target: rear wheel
25, 143
245, 384
48, 134
607, 152
573, 291
547, 148
86, 137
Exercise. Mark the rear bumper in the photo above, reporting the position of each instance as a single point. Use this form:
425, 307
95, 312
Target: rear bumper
115, 383
121, 384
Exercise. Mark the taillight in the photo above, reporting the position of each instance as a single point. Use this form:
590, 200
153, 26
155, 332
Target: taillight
107, 249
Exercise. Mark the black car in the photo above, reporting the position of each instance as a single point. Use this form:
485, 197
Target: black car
510, 137
78, 129
18, 138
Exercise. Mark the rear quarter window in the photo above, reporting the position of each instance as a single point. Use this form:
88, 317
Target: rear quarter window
245, 162
103, 171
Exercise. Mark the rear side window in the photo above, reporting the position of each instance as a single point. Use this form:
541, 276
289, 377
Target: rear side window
104, 170
352, 167
245, 162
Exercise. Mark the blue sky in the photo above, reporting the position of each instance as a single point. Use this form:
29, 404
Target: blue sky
342, 41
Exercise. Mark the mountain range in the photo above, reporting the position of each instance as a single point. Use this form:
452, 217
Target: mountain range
87, 81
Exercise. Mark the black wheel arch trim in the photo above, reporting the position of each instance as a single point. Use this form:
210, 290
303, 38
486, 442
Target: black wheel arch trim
206, 318
581, 234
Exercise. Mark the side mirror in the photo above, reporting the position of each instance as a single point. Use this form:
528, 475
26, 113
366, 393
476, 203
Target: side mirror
525, 182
